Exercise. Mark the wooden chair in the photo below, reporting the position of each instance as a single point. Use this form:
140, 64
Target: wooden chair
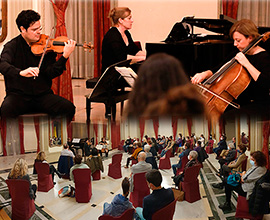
140, 189
127, 215
83, 185
45, 182
165, 213
23, 207
115, 167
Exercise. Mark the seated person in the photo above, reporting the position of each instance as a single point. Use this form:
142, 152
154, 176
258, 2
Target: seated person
192, 157
183, 154
248, 179
140, 167
128, 142
66, 151
134, 156
78, 165
169, 146
235, 165
94, 162
19, 171
120, 202
161, 143
159, 198
104, 148
228, 157
222, 145
147, 151
88, 147
41, 158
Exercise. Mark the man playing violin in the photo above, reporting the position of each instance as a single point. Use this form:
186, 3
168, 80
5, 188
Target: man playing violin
28, 88
257, 62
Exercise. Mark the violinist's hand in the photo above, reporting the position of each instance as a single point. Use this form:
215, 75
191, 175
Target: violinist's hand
241, 58
199, 77
69, 47
30, 72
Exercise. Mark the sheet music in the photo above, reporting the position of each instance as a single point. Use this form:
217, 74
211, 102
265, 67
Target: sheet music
128, 74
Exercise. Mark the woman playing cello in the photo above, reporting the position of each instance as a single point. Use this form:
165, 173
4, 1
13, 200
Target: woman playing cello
256, 96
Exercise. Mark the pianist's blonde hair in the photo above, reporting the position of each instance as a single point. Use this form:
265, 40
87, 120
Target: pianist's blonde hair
118, 12
245, 27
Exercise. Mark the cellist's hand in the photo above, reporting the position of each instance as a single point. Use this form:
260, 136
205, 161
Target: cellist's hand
241, 58
199, 77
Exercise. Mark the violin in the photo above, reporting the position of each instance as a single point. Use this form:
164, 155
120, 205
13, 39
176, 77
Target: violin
227, 83
55, 45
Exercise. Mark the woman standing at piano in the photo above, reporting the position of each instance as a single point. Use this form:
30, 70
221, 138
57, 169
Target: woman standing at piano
256, 62
117, 44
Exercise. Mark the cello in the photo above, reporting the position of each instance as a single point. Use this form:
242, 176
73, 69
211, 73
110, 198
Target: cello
227, 83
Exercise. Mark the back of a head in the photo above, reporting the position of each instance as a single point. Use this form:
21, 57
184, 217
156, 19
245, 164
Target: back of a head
26, 18
154, 177
40, 156
125, 186
147, 148
19, 169
94, 152
141, 156
78, 159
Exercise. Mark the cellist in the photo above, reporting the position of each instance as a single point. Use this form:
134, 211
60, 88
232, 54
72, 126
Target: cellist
256, 96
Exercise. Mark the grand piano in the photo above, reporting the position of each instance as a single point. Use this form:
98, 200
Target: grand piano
199, 52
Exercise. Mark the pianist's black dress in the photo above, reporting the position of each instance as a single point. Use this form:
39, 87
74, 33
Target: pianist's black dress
114, 48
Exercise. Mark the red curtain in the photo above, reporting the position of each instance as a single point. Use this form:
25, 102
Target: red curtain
189, 125
156, 125
230, 8
21, 133
266, 134
174, 126
95, 126
101, 9
36, 123
4, 135
62, 85
142, 125
104, 130
115, 134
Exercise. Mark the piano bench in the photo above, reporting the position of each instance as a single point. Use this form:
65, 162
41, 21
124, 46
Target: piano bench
91, 83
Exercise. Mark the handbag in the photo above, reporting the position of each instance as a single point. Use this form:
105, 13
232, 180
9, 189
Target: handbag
234, 179
178, 194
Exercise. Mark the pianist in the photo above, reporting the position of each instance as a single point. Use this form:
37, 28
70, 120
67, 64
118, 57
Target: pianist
256, 97
162, 88
117, 44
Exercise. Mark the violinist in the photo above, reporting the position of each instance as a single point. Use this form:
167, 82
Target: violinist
28, 88
255, 98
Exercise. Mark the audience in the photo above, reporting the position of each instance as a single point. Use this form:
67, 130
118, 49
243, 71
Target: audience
248, 179
140, 167
120, 202
20, 171
41, 158
134, 156
94, 162
159, 198
78, 165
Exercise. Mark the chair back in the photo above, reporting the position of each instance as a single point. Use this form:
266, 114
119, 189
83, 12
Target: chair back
64, 165
23, 207
127, 215
166, 213
83, 185
121, 144
45, 182
152, 161
184, 161
191, 173
117, 158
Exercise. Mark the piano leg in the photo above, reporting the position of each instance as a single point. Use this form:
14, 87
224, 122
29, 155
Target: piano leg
88, 109
113, 112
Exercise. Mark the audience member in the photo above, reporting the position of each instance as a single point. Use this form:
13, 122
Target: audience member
192, 157
104, 148
128, 143
78, 165
135, 153
147, 150
94, 162
169, 146
159, 198
248, 179
183, 154
20, 171
140, 167
66, 151
222, 145
41, 158
120, 202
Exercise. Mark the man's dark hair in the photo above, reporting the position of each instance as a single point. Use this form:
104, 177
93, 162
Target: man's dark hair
242, 147
78, 159
27, 18
94, 152
154, 177
125, 186
65, 146
187, 145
